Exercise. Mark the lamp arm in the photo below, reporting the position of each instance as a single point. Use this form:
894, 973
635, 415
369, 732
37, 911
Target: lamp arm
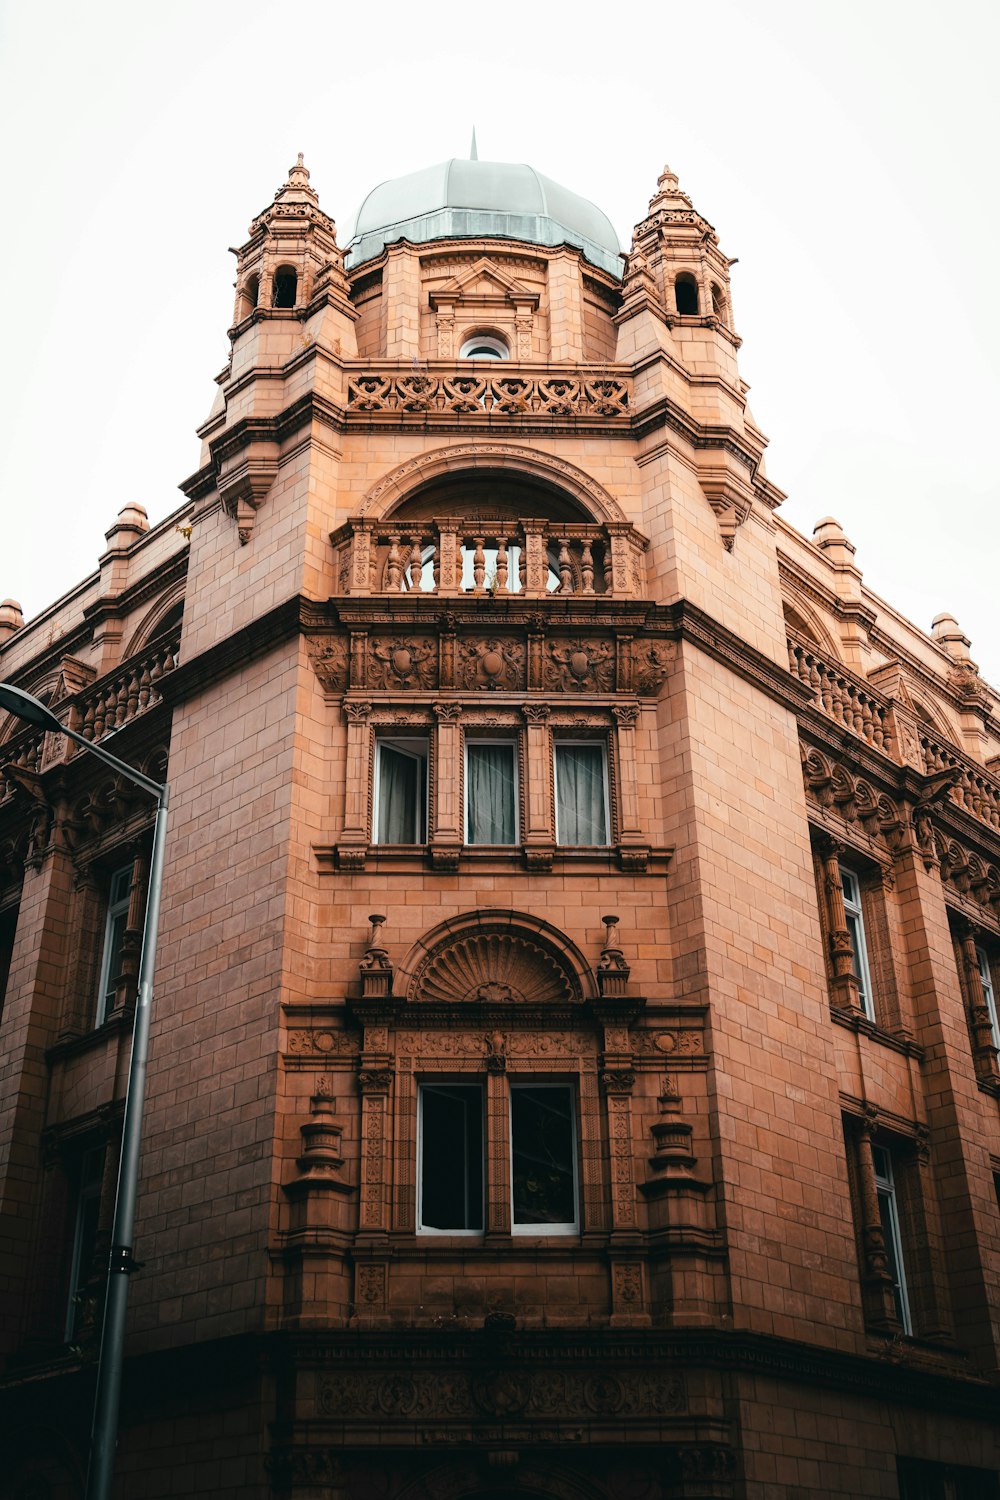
153, 787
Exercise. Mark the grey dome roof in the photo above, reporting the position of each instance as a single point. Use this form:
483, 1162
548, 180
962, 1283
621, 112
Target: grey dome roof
460, 199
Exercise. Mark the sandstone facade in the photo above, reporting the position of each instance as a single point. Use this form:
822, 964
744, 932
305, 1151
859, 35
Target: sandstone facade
644, 1144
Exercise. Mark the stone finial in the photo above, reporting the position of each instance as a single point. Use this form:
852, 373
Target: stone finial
668, 193
949, 636
375, 968
130, 523
11, 618
612, 970
296, 187
829, 536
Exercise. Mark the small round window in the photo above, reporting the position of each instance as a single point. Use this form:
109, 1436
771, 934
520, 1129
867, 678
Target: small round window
484, 346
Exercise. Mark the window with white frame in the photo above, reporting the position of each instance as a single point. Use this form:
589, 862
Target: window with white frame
543, 1159
851, 886
581, 768
989, 995
86, 1223
484, 346
450, 1158
399, 813
491, 792
885, 1188
115, 924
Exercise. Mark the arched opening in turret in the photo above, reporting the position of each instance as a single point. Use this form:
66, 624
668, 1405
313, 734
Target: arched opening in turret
718, 302
285, 287
484, 346
686, 295
249, 296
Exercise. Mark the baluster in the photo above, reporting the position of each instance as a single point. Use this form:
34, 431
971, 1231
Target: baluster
435, 563
478, 565
825, 690
132, 706
416, 564
565, 567
99, 716
878, 729
522, 563
587, 566
87, 727
502, 565
794, 658
394, 566
145, 686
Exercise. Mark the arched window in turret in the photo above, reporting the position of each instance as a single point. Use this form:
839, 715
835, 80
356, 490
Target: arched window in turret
249, 296
686, 295
484, 346
718, 302
285, 287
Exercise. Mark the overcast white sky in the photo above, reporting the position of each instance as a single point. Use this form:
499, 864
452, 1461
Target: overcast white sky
845, 152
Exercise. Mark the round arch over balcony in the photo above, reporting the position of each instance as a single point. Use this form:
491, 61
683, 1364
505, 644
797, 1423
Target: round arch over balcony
505, 459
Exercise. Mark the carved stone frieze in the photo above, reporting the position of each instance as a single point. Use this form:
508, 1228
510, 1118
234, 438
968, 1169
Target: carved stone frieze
651, 663
832, 785
402, 662
578, 666
503, 1391
676, 1042
554, 396
329, 662
305, 1042
498, 662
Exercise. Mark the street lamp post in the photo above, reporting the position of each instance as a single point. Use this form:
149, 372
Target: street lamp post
104, 1433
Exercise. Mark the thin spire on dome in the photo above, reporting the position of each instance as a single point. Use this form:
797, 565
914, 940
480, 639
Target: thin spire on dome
473, 151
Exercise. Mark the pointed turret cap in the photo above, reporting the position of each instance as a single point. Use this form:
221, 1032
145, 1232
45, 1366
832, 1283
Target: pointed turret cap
296, 189
668, 192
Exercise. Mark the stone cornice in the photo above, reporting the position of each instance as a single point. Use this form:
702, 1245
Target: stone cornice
688, 622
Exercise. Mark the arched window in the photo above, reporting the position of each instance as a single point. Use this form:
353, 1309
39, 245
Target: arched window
686, 295
718, 302
285, 287
484, 346
251, 295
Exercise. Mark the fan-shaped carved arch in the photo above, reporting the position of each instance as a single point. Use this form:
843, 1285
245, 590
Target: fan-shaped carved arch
504, 458
495, 955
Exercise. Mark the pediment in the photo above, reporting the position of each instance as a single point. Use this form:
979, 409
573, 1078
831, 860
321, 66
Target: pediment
484, 282
890, 679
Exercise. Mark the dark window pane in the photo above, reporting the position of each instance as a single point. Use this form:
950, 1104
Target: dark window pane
451, 1173
541, 1128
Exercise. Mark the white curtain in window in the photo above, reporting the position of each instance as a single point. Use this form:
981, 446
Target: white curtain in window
400, 797
581, 816
490, 794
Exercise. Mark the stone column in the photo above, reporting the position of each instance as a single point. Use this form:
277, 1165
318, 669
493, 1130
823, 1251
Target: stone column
633, 849
447, 835
845, 994
879, 1297
983, 1051
354, 840
538, 834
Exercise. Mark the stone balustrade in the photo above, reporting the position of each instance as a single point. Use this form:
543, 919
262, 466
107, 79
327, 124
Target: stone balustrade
975, 789
498, 557
106, 705
122, 696
865, 713
842, 697
498, 392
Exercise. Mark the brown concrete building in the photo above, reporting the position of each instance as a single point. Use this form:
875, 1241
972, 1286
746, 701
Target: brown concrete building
574, 1063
